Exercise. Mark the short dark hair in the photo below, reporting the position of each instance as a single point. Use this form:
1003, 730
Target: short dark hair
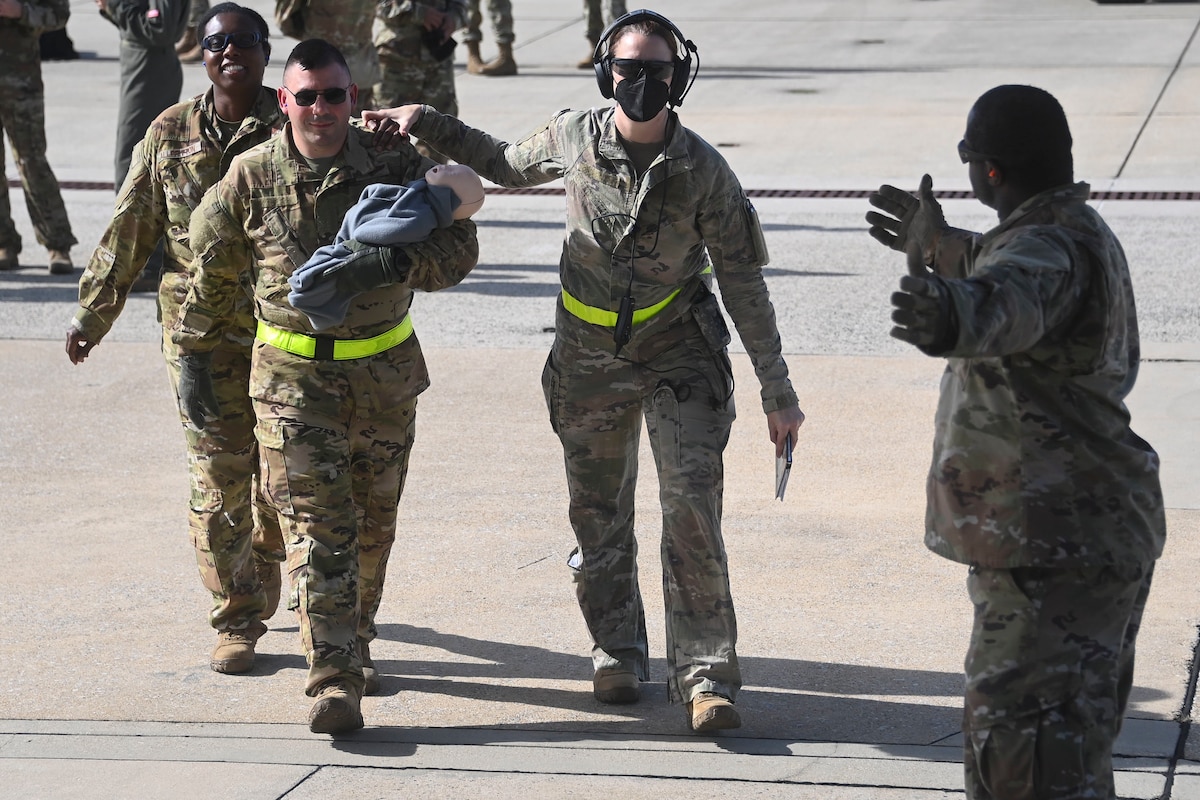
255, 18
314, 54
646, 27
1025, 130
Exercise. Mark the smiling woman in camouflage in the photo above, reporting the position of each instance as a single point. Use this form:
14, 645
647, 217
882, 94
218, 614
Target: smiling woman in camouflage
184, 152
654, 213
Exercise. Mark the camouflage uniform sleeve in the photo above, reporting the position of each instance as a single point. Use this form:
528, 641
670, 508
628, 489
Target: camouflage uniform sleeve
388, 10
534, 160
222, 253
444, 258
1019, 292
136, 24
49, 15
738, 251
954, 255
457, 9
132, 234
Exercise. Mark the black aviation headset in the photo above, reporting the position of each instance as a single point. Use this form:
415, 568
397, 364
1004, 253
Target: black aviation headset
681, 80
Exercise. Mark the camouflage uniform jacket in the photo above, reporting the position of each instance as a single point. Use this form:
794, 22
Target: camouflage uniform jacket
686, 212
265, 218
405, 20
19, 51
172, 167
1034, 463
346, 24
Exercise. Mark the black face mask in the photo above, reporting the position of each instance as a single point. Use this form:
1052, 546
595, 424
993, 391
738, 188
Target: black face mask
643, 98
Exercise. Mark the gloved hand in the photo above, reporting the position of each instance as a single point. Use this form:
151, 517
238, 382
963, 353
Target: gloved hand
918, 219
197, 397
921, 309
369, 267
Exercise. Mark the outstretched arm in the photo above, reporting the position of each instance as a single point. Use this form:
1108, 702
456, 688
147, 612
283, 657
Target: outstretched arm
919, 219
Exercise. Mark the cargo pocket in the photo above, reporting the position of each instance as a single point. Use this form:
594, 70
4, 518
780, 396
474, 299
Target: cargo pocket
205, 504
552, 388
299, 558
272, 437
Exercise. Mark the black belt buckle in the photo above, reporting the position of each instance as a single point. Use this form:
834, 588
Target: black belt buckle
324, 348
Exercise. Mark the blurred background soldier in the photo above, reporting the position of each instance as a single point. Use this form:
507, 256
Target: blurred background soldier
151, 80
416, 55
347, 25
151, 77
23, 121
500, 13
189, 50
183, 153
1038, 484
597, 20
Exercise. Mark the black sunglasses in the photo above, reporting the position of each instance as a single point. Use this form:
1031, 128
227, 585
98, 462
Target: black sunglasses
306, 97
243, 40
631, 68
968, 155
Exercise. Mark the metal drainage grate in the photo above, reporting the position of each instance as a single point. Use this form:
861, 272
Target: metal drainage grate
841, 194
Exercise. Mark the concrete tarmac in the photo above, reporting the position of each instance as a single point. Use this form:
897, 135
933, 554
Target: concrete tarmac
851, 633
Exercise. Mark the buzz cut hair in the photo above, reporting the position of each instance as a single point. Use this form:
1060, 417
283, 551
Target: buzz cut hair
313, 54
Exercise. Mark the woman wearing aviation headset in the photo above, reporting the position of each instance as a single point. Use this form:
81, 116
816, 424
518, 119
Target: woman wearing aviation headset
653, 214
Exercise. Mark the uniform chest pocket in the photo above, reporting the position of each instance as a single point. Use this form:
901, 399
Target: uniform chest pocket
287, 239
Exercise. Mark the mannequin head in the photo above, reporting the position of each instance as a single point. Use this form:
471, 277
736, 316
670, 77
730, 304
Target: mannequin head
463, 181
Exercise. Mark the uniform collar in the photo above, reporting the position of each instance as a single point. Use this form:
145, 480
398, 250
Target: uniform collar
1070, 192
265, 109
675, 148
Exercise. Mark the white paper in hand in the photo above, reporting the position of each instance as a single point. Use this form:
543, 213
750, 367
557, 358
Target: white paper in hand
783, 468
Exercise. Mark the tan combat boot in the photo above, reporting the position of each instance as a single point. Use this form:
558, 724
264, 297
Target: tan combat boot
188, 49
8, 259
586, 62
337, 709
474, 60
60, 263
710, 712
234, 652
616, 687
503, 64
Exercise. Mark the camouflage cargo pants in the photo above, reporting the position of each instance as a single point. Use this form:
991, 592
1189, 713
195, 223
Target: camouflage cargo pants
597, 404
232, 527
500, 14
1048, 676
23, 121
600, 14
410, 74
336, 483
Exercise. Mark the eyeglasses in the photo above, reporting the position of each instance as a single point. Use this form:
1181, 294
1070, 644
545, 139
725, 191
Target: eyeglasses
968, 155
633, 67
306, 97
243, 40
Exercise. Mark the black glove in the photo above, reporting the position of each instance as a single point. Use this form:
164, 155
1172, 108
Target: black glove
918, 219
197, 397
369, 267
440, 48
922, 310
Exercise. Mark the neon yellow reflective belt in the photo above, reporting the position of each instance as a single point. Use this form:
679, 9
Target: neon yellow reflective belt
600, 316
326, 347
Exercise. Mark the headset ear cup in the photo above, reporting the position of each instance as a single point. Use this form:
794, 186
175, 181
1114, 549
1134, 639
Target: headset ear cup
604, 78
679, 79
